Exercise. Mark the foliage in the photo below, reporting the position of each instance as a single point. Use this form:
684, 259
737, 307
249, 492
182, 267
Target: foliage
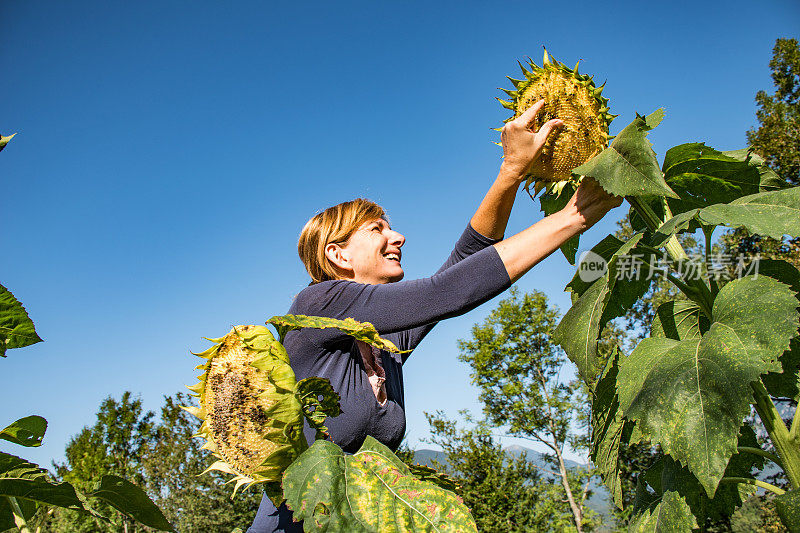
25, 488
16, 328
777, 140
688, 387
486, 476
370, 490
778, 134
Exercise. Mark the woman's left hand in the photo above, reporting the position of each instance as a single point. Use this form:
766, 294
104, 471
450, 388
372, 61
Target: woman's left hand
590, 203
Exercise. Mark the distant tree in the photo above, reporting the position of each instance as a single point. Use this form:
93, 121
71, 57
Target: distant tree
757, 514
777, 138
505, 494
158, 455
116, 444
518, 369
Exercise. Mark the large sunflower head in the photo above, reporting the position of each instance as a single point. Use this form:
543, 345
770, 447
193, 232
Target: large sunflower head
571, 97
252, 421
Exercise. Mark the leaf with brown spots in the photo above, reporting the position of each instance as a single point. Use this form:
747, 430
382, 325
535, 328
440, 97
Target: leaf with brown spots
370, 491
363, 331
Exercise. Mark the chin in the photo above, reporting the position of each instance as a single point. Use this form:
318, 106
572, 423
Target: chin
395, 277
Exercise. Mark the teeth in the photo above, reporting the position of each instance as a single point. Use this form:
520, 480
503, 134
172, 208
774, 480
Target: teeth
392, 256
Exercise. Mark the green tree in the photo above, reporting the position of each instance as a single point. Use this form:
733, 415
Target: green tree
487, 476
159, 455
777, 138
518, 369
116, 444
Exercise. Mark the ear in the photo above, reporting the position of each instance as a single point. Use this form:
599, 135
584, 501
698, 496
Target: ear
340, 259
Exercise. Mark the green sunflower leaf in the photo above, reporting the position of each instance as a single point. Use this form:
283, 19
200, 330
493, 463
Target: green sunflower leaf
768, 180
679, 320
552, 202
13, 466
28, 431
604, 300
41, 490
629, 166
16, 328
604, 249
363, 331
131, 501
608, 427
773, 213
319, 401
668, 475
691, 395
670, 514
702, 176
784, 384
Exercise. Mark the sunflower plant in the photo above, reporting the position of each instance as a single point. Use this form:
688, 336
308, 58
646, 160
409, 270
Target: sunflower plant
727, 346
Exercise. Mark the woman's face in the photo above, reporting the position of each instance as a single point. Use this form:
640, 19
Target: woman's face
371, 255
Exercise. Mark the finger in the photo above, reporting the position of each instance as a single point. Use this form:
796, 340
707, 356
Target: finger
549, 126
527, 118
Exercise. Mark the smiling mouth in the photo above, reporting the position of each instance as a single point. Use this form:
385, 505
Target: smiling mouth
392, 257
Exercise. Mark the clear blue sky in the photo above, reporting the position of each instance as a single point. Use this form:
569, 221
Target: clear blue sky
169, 153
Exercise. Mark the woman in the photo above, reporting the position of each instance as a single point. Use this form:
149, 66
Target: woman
354, 258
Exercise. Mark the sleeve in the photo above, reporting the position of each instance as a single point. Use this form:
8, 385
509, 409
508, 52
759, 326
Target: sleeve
473, 274
470, 242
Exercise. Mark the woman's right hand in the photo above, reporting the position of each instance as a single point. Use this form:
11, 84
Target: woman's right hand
522, 145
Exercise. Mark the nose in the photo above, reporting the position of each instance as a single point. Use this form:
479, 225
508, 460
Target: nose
396, 239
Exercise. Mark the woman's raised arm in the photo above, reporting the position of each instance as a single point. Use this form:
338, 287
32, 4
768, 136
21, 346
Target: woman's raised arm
521, 147
522, 251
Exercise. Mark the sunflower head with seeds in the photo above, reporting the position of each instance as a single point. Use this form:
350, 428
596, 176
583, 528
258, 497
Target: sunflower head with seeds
571, 97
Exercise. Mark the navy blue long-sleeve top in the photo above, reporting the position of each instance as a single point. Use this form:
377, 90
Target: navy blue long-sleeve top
403, 312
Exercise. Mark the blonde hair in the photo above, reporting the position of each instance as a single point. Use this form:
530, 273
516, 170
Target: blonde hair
334, 225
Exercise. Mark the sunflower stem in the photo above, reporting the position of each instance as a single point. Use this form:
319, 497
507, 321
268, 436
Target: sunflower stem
794, 431
694, 289
763, 453
19, 517
756, 482
787, 447
711, 281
